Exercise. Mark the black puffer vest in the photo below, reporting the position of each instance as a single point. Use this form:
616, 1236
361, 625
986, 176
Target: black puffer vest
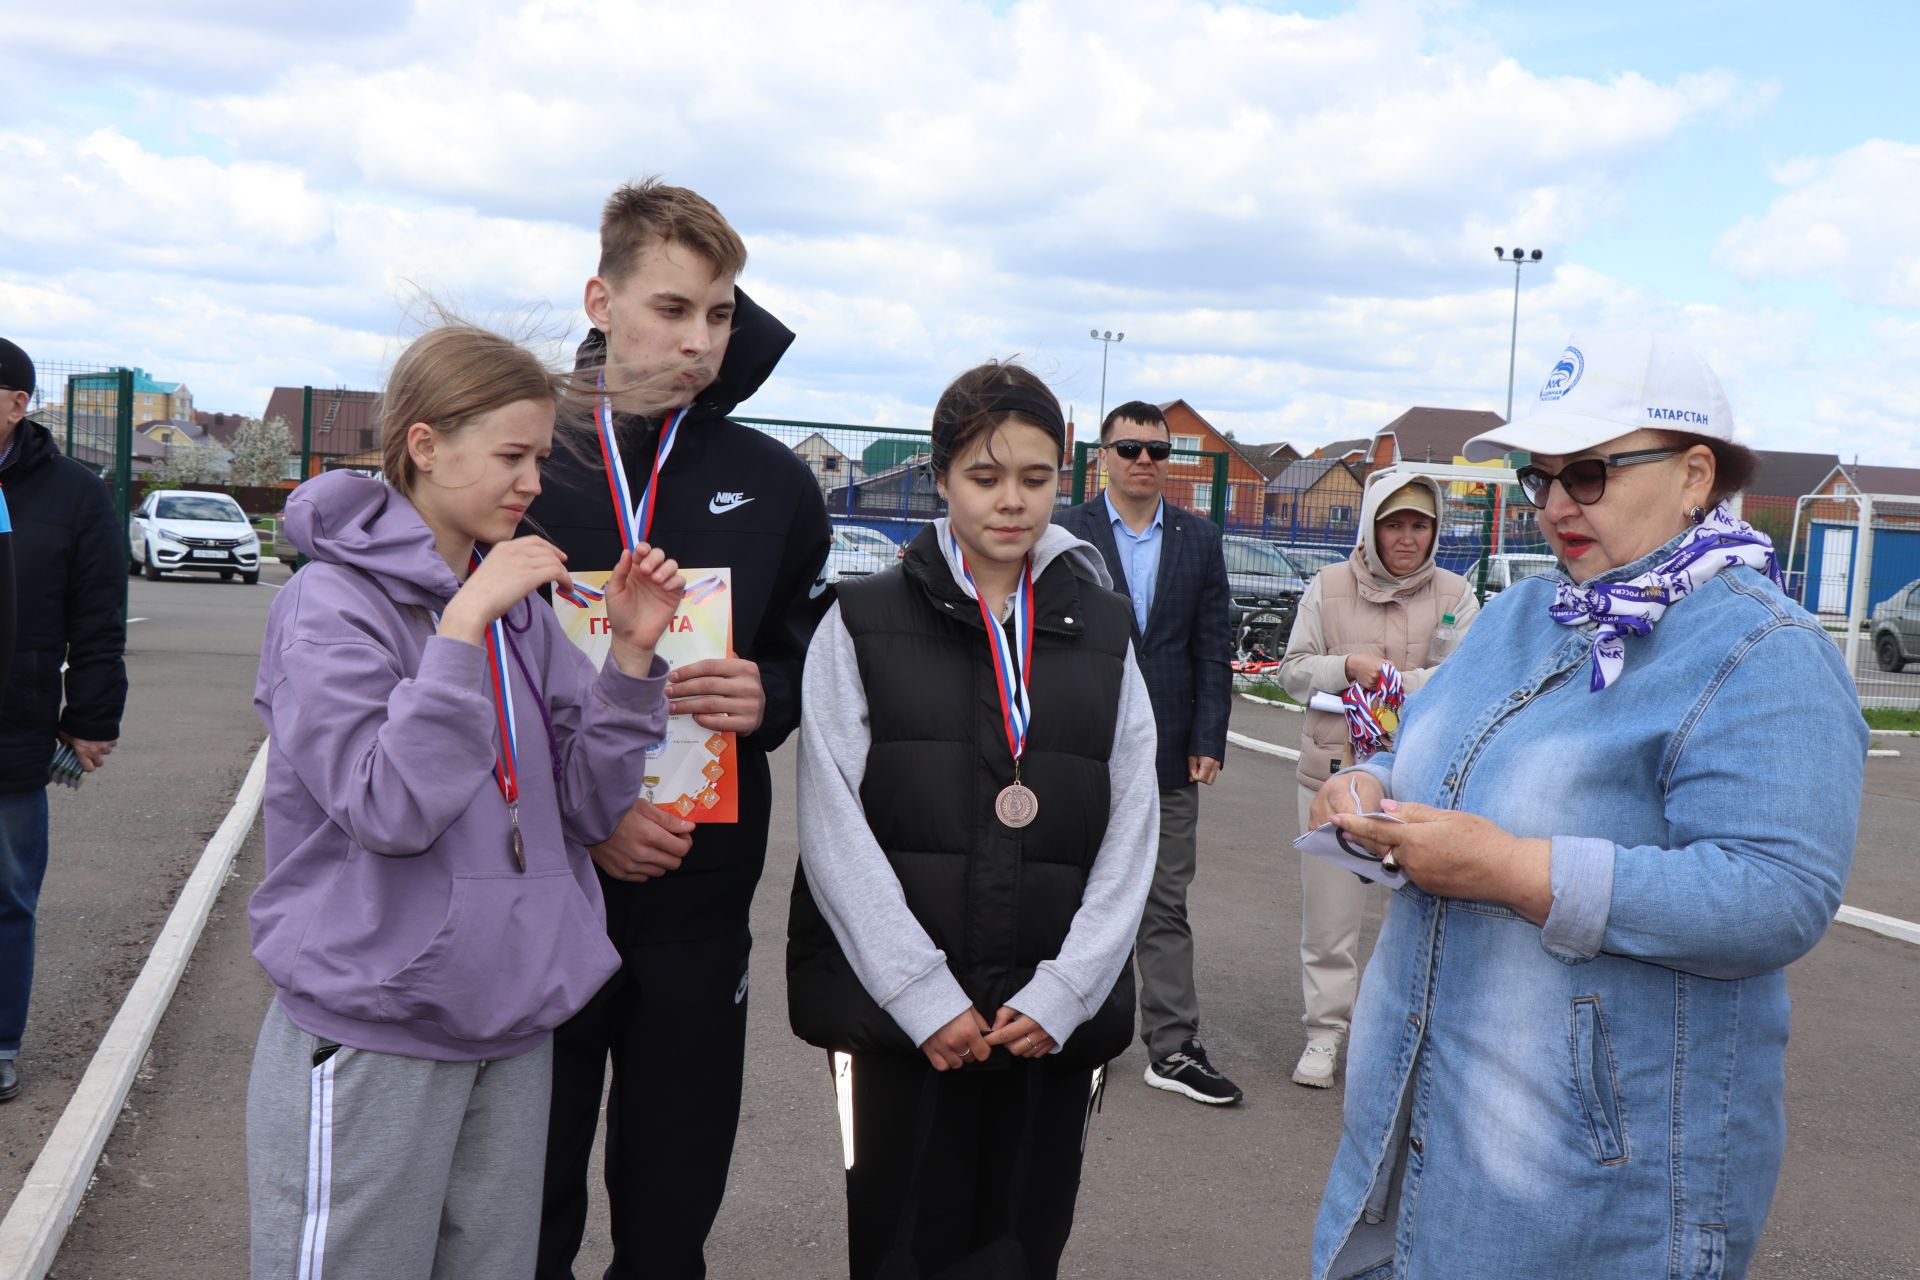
996, 900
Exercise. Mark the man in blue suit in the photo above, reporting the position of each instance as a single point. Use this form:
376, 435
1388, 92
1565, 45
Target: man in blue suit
1169, 562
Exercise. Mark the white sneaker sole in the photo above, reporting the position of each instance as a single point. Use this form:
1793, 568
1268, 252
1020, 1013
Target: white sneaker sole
1313, 1082
1174, 1086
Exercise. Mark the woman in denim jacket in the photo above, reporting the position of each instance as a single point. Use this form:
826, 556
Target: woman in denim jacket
1626, 804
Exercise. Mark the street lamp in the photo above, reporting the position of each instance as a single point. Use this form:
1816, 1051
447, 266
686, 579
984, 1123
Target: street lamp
1519, 258
1105, 340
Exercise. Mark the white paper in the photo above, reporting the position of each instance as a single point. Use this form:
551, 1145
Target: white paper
1323, 842
1327, 702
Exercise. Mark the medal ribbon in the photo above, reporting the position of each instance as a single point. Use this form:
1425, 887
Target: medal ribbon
506, 765
1012, 664
1364, 706
634, 518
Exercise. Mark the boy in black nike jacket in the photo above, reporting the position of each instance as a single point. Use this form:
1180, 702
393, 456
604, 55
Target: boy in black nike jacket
665, 312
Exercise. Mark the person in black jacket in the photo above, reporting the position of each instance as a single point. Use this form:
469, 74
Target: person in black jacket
1169, 562
670, 331
977, 826
70, 555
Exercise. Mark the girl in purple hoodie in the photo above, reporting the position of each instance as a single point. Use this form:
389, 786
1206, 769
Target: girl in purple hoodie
442, 755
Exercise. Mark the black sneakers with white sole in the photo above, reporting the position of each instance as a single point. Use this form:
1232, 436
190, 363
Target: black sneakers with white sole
1188, 1071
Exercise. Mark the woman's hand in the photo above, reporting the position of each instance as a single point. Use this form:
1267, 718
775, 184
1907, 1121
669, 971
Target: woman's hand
1452, 854
642, 596
1336, 795
958, 1043
1021, 1035
511, 572
1364, 669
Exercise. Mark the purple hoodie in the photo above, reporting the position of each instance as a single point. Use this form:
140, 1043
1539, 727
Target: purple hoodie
392, 917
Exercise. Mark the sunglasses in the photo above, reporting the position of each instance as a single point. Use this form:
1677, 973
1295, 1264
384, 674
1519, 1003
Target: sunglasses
1586, 480
1157, 450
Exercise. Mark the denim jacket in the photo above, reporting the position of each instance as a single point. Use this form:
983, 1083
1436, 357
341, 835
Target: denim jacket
1602, 1096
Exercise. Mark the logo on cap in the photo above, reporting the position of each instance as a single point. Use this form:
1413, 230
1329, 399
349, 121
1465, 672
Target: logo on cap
1565, 375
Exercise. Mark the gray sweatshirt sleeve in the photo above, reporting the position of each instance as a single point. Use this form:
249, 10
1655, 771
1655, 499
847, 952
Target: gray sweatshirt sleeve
852, 881
1070, 988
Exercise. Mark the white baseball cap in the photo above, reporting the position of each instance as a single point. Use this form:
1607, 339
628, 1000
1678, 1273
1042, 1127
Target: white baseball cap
1606, 385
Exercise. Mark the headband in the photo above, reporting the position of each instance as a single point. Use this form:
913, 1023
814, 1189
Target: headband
1038, 407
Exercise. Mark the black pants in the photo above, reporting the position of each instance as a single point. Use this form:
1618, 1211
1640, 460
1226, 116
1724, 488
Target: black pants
967, 1171
674, 1020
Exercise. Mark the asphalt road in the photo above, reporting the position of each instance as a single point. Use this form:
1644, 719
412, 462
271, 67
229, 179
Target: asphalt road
1170, 1187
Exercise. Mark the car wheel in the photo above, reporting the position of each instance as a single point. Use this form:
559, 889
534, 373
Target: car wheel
251, 579
152, 569
1887, 652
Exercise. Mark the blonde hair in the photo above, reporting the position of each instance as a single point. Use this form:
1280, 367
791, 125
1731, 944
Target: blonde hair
447, 378
641, 212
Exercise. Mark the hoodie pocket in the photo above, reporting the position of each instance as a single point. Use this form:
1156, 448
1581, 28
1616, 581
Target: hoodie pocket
517, 955
1597, 1083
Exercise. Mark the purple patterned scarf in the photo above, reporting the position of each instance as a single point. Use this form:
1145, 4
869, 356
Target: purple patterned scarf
1718, 542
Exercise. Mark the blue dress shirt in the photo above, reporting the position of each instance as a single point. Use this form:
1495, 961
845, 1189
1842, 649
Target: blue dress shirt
1140, 554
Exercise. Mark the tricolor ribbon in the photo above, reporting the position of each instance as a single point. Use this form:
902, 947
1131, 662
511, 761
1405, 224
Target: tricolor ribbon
635, 518
1012, 663
506, 766
1364, 706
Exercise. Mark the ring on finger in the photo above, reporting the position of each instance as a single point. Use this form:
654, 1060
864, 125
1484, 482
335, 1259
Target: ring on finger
1388, 862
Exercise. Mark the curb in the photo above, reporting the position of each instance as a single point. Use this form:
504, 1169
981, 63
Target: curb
1273, 702
34, 1227
1891, 926
1264, 748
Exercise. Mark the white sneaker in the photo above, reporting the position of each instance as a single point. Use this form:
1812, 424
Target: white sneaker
1315, 1068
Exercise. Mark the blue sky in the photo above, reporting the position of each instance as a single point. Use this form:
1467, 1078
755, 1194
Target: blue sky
1290, 209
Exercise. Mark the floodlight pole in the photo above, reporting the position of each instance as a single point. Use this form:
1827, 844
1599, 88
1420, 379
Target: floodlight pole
1519, 258
1105, 340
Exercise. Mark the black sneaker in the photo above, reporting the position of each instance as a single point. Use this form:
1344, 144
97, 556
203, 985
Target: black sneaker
1188, 1071
9, 1080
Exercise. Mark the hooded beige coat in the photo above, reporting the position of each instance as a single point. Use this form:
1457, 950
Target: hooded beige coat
1357, 607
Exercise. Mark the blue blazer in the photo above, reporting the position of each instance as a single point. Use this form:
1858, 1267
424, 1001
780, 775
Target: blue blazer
1185, 652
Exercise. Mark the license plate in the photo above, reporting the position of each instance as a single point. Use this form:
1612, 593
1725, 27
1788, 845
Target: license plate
1265, 620
210, 555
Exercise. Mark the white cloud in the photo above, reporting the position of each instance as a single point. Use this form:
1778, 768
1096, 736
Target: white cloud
1288, 216
1847, 219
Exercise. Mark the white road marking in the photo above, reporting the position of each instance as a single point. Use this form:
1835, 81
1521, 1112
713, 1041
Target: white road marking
1273, 702
1891, 926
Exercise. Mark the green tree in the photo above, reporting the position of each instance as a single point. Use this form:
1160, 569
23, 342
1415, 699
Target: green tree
192, 464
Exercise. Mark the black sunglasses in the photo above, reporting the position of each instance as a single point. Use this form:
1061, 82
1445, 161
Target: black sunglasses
1157, 450
1586, 480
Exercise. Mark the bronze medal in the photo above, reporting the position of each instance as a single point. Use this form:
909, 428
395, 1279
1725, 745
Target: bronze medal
1016, 805
515, 845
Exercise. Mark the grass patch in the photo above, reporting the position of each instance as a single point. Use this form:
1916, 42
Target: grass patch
1891, 718
1264, 688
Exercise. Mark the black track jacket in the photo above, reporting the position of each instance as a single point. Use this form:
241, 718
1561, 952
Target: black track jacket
731, 496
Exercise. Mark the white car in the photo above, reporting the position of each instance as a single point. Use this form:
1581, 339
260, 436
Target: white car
847, 558
869, 540
1510, 567
178, 530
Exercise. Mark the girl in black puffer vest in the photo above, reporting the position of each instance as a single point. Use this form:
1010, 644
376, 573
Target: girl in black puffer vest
978, 822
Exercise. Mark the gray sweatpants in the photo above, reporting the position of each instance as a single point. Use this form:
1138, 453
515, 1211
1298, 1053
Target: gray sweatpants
1169, 1001
371, 1165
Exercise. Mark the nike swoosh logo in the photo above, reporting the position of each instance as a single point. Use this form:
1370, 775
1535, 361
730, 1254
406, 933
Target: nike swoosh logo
817, 590
741, 994
731, 502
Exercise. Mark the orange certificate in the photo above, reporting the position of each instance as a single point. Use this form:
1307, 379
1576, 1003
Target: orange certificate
695, 772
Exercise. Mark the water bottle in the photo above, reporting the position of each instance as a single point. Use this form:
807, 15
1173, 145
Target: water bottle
1445, 637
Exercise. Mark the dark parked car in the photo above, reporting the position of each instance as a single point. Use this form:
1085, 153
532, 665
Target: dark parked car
1266, 594
1896, 628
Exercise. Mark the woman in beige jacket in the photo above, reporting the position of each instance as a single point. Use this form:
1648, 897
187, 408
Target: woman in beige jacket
1386, 603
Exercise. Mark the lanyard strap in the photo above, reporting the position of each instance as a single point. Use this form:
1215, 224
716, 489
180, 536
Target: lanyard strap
1012, 664
634, 518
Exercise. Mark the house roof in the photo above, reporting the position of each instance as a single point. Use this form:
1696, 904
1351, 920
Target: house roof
192, 430
1902, 482
823, 440
1272, 457
1169, 405
335, 410
1306, 473
1790, 475
1341, 448
145, 383
1425, 434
